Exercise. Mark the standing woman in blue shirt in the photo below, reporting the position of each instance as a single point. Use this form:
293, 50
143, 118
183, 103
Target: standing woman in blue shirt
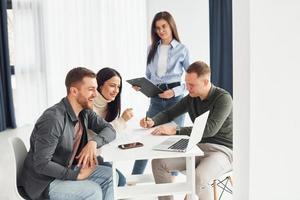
167, 60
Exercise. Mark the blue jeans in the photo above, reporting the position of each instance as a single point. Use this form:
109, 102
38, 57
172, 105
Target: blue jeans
157, 105
97, 186
122, 179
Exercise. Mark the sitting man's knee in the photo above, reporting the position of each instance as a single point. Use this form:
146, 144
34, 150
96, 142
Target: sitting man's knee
107, 173
156, 163
93, 191
202, 178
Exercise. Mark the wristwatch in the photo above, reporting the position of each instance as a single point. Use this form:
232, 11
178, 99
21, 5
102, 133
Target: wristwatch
177, 130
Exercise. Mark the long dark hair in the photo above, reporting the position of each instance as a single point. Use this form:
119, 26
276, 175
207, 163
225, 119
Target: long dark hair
114, 107
155, 38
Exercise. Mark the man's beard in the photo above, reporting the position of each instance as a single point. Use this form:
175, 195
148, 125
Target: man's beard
84, 103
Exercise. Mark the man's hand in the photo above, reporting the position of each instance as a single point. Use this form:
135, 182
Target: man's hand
164, 130
127, 114
85, 172
88, 155
146, 123
167, 94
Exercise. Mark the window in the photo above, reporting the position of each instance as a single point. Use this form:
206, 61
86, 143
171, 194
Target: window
10, 30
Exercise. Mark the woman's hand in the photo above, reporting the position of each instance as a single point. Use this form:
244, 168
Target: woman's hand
127, 114
136, 88
167, 94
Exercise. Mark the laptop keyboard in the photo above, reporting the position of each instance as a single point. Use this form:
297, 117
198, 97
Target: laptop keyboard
181, 144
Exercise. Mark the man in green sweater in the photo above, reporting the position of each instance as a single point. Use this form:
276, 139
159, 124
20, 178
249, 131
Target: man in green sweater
216, 142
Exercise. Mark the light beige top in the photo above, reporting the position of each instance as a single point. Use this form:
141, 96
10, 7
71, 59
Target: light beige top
100, 107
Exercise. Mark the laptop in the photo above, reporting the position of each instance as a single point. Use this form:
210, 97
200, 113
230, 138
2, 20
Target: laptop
184, 143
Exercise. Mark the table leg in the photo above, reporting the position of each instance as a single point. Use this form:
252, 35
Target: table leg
115, 183
190, 176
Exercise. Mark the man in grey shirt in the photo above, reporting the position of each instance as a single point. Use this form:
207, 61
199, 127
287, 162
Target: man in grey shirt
61, 163
216, 142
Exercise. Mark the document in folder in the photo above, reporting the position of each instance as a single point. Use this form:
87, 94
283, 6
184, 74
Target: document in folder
147, 87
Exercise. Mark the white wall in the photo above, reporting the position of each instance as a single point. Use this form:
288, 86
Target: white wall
266, 71
241, 96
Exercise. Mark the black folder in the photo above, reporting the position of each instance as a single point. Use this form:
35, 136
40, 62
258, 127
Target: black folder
147, 87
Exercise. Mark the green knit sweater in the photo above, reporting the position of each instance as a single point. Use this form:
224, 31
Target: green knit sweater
218, 128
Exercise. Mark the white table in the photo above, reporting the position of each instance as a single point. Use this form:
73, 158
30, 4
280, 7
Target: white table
112, 153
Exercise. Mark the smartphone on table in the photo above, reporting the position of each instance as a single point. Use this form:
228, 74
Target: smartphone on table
130, 145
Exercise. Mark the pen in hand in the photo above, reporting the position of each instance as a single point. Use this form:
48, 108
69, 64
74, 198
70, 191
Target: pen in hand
145, 120
146, 116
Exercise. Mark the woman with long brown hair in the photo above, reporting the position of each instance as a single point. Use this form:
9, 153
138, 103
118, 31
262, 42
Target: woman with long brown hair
107, 104
166, 62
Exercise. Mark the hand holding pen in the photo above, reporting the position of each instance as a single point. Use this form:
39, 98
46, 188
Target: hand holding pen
146, 122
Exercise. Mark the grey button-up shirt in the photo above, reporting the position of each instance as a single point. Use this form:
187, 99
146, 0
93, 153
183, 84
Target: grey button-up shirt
51, 144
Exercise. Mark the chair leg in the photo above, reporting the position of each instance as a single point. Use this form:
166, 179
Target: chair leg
231, 180
215, 190
185, 197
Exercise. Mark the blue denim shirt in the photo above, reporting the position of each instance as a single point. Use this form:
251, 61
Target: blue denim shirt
177, 63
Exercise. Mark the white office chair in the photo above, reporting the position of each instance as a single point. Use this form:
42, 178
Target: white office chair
20, 153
